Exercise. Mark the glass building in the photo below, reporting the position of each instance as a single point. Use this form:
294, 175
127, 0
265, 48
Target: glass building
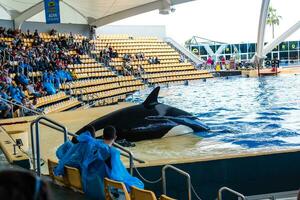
287, 52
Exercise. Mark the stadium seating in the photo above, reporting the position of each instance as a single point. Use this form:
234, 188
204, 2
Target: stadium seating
169, 68
115, 184
98, 84
107, 88
71, 179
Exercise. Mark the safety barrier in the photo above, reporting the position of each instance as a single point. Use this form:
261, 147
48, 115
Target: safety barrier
220, 193
164, 183
35, 145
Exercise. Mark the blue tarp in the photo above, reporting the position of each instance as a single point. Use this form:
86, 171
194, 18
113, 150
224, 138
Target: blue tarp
89, 157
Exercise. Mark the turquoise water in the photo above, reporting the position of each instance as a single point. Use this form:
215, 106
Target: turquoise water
249, 112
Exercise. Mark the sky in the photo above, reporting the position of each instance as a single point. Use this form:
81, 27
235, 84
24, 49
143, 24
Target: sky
230, 21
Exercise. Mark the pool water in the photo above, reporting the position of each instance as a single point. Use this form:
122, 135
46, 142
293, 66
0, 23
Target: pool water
249, 113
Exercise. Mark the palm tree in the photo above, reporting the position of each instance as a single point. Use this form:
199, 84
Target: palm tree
273, 18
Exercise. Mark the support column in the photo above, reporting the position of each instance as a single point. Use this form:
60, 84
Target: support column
35, 9
261, 33
270, 46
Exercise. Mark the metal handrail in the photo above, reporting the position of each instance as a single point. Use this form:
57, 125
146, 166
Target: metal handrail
37, 161
187, 175
63, 129
220, 193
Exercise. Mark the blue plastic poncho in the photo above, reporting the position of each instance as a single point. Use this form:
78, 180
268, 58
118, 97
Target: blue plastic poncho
49, 87
89, 157
23, 79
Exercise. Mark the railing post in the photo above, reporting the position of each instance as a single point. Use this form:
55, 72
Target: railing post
180, 172
12, 110
38, 155
32, 144
131, 163
130, 156
37, 160
220, 193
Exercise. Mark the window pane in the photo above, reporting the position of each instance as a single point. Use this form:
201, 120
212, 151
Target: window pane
283, 56
228, 49
235, 48
213, 48
243, 48
204, 58
217, 47
293, 45
252, 47
283, 46
203, 50
195, 50
294, 55
251, 55
275, 55
244, 56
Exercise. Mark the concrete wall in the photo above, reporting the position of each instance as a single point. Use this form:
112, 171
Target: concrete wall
63, 28
6, 23
157, 31
42, 27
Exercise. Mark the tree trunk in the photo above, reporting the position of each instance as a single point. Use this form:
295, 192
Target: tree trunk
273, 31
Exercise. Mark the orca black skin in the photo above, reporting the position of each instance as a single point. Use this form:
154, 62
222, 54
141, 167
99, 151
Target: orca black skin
149, 120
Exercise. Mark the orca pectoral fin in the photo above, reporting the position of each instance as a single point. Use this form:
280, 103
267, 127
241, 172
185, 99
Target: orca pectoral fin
158, 126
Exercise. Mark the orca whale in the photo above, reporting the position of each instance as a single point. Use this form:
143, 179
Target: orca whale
149, 120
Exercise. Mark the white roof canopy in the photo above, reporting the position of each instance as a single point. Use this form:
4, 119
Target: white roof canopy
93, 12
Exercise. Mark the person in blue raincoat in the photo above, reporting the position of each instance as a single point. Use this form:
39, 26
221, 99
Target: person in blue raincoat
15, 93
45, 76
96, 159
49, 88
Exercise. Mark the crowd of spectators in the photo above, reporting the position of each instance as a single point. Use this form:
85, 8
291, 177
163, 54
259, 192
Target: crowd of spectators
107, 54
128, 69
19, 60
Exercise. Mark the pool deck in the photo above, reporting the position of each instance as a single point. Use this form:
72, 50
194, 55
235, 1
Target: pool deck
281, 71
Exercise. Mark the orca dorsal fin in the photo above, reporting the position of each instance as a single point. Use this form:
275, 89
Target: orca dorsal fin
152, 98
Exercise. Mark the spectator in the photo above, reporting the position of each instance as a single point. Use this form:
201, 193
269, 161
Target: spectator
181, 59
156, 60
5, 108
150, 60
36, 34
28, 107
209, 62
52, 32
126, 57
31, 90
223, 62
